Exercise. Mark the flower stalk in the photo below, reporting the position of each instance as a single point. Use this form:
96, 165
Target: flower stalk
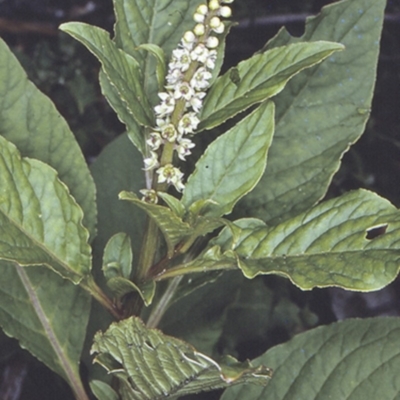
189, 72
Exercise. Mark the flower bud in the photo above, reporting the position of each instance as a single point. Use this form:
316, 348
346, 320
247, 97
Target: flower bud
199, 17
215, 22
189, 37
227, 1
212, 42
219, 29
199, 30
213, 5
225, 12
202, 9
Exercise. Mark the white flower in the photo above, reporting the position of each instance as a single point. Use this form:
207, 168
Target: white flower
169, 133
161, 122
154, 141
180, 60
196, 102
200, 79
173, 77
204, 55
171, 175
183, 91
183, 148
199, 53
149, 196
167, 106
151, 162
188, 123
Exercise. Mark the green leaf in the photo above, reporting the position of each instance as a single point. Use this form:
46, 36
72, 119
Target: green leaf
351, 242
121, 286
135, 131
103, 391
30, 121
40, 222
122, 70
349, 360
321, 112
259, 78
233, 164
173, 203
172, 227
117, 168
160, 22
48, 315
161, 68
151, 365
117, 258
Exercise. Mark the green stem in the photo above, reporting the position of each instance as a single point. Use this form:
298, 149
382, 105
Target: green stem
159, 310
91, 286
148, 249
182, 269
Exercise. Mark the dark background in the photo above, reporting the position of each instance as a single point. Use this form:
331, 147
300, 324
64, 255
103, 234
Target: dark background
67, 73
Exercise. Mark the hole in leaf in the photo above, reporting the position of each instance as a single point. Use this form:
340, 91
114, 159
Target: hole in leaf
376, 231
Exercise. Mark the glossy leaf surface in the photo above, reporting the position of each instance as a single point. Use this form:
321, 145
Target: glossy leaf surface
321, 112
30, 121
117, 258
40, 222
159, 22
172, 227
122, 70
48, 315
233, 164
349, 360
329, 245
259, 78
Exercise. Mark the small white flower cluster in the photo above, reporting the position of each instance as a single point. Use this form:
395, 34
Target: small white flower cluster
189, 73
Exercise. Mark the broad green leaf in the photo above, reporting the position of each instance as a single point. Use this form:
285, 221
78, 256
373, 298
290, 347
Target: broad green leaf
30, 121
259, 78
48, 315
121, 286
122, 70
151, 365
159, 22
171, 226
161, 68
233, 164
40, 222
118, 167
173, 203
103, 391
134, 130
351, 242
350, 360
117, 258
321, 112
